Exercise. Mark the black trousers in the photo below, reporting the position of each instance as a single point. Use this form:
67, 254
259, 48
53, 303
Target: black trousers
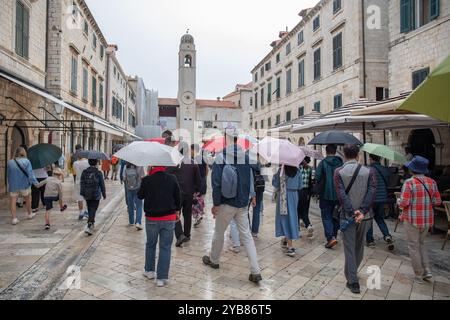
92, 206
186, 208
37, 194
304, 200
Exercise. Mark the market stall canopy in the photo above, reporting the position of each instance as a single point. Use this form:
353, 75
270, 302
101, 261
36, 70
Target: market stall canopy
432, 97
287, 126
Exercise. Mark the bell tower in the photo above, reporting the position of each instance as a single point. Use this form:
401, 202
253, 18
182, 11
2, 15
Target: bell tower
187, 87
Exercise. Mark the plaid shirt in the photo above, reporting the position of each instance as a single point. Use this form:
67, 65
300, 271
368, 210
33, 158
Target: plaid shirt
416, 203
307, 177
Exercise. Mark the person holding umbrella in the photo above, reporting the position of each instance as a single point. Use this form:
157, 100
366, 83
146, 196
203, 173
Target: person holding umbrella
288, 183
38, 193
20, 179
382, 175
327, 194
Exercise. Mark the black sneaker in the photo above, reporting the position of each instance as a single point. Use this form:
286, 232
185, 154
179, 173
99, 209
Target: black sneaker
64, 208
207, 261
186, 239
390, 243
47, 227
180, 241
256, 278
354, 287
371, 244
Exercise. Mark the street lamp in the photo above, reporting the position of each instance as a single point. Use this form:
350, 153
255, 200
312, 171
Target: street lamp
59, 108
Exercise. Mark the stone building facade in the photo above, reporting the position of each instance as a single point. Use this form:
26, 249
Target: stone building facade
326, 61
76, 59
242, 96
419, 42
22, 58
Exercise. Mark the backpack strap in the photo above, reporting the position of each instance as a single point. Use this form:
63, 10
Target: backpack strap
355, 175
428, 191
22, 169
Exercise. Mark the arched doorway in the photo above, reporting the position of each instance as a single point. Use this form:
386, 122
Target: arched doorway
18, 138
422, 143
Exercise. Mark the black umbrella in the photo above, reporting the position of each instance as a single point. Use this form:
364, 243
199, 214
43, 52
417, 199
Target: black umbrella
335, 137
42, 155
94, 155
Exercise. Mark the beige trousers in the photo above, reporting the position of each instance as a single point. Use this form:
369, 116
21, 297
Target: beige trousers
417, 250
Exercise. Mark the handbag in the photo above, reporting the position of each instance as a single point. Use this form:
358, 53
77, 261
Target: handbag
338, 209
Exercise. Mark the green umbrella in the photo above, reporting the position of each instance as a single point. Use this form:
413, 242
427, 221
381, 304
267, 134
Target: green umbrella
432, 97
42, 155
384, 152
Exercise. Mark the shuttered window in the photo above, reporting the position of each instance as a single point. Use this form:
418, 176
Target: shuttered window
407, 15
94, 91
289, 81
269, 92
288, 116
336, 6
419, 76
22, 29
262, 97
100, 96
434, 9
317, 66
256, 100
301, 112
316, 23
85, 84
337, 101
317, 106
278, 88
74, 75
301, 73
300, 38
337, 51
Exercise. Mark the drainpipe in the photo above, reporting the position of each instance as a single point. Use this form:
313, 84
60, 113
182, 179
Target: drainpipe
107, 84
363, 13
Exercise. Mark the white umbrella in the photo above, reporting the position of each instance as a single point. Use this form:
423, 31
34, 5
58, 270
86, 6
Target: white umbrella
144, 154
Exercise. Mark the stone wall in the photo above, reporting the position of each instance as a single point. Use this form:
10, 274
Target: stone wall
33, 68
424, 47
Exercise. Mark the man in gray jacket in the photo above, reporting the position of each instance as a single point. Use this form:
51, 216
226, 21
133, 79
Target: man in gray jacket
356, 207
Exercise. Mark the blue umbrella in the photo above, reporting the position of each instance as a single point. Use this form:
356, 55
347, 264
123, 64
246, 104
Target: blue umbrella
94, 155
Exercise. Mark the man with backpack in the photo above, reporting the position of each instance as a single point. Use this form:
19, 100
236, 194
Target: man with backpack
355, 187
92, 188
233, 187
132, 178
327, 194
382, 175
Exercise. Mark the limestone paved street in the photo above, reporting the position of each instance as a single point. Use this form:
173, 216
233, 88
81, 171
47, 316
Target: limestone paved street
112, 262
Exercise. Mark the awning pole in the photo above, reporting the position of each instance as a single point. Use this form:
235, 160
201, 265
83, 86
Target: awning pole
385, 143
364, 140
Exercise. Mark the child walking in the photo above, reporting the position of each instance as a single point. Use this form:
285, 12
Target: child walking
53, 193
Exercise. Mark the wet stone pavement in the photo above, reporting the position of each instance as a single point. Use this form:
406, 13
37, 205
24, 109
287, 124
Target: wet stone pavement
111, 263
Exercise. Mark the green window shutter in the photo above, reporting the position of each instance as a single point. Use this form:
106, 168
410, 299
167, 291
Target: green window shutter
434, 9
26, 32
301, 73
407, 15
100, 89
74, 79
19, 28
337, 51
262, 97
94, 91
269, 93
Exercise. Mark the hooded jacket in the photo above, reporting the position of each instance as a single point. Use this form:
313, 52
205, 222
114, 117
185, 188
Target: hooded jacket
325, 170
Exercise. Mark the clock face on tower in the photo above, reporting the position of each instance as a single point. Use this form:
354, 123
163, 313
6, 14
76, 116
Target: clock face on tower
187, 98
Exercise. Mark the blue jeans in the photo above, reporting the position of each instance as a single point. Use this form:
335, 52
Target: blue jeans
256, 220
163, 230
378, 210
330, 225
133, 203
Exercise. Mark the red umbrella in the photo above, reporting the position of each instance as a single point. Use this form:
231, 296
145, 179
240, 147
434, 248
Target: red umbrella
159, 140
218, 144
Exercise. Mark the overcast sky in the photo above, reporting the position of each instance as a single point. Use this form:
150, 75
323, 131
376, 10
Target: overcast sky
231, 37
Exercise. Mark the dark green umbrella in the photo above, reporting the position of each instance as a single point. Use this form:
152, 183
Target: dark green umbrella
94, 155
44, 154
335, 137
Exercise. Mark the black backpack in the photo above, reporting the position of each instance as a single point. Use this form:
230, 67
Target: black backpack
90, 184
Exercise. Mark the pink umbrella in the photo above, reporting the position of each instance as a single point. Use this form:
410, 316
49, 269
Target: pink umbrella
314, 154
278, 151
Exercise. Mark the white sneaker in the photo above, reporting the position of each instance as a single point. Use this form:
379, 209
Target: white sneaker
161, 283
15, 221
235, 249
31, 216
149, 275
139, 226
